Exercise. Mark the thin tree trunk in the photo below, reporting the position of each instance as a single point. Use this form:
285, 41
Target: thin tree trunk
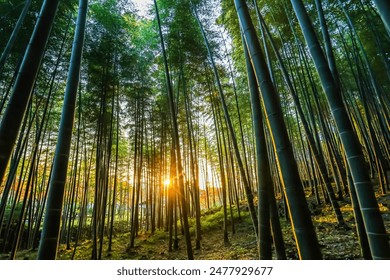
263, 172
113, 205
14, 35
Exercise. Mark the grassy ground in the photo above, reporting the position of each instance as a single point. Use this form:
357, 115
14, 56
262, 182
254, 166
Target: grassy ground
337, 243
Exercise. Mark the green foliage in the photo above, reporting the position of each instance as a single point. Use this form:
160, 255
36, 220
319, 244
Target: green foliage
158, 235
15, 213
213, 219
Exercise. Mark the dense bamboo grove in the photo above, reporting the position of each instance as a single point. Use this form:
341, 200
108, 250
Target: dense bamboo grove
122, 120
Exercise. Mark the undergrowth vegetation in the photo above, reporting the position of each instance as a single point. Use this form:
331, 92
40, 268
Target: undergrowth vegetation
336, 242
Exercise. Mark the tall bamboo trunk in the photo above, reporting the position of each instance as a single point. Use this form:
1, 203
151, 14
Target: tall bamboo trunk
372, 218
51, 224
304, 233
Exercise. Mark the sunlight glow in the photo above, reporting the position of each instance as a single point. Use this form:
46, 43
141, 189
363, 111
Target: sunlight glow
167, 182
142, 7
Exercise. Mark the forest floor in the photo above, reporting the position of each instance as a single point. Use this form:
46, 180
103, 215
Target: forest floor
337, 243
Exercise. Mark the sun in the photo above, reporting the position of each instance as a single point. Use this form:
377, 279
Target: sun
167, 182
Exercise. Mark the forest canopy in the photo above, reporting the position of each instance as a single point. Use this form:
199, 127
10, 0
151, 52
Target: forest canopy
190, 124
